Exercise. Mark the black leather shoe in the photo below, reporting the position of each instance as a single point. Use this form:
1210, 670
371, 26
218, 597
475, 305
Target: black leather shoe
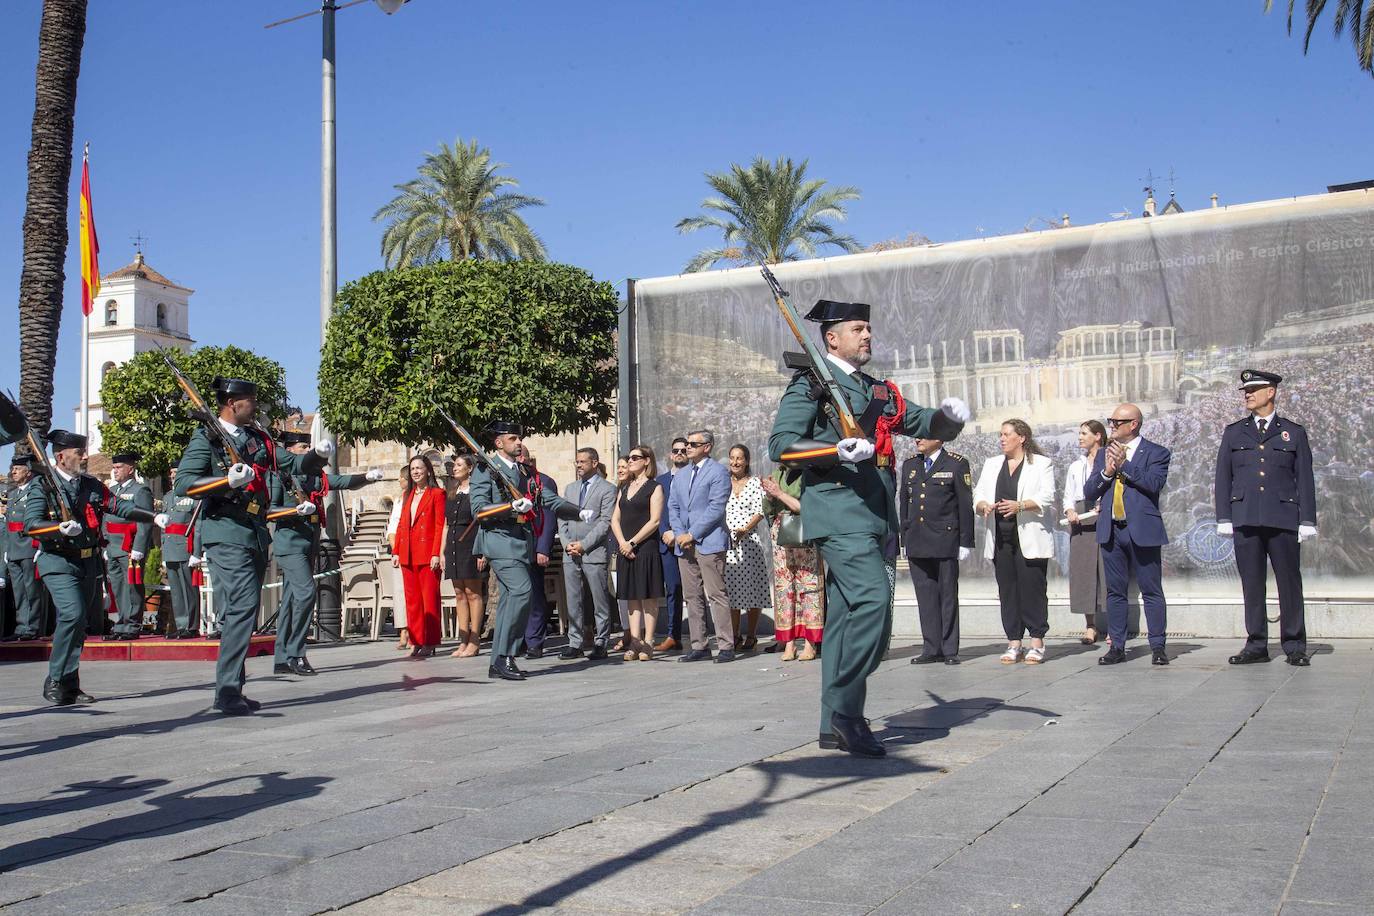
283, 668
1299, 659
534, 653
230, 702
1112, 656
53, 693
1249, 657
952, 660
1157, 657
214, 635
696, 655
501, 668
72, 692
571, 653
853, 735
828, 741
725, 655
187, 634
252, 704
10, 638
597, 653
300, 666
510, 663
927, 659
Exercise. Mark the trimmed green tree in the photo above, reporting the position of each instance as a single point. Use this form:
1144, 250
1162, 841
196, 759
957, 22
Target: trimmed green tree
146, 411
525, 340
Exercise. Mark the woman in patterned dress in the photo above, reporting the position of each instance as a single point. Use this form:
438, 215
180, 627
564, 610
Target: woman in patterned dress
798, 576
747, 576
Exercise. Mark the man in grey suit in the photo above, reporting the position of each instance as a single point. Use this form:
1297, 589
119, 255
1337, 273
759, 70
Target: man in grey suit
696, 517
585, 554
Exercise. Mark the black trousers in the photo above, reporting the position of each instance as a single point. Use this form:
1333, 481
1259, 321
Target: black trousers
1256, 546
936, 581
1021, 585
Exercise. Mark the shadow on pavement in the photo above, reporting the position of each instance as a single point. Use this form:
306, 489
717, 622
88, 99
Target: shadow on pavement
79, 796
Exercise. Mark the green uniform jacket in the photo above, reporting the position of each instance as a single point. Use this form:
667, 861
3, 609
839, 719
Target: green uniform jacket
230, 516
505, 537
89, 500
848, 498
180, 511
18, 545
301, 533
138, 495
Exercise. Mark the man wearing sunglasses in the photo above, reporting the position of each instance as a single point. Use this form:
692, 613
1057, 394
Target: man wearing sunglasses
1128, 476
849, 508
672, 578
696, 517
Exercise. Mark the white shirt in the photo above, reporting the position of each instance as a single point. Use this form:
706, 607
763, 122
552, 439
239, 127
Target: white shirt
1268, 421
233, 430
61, 473
932, 457
849, 369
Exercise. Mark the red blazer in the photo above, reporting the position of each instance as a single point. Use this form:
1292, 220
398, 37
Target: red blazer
419, 543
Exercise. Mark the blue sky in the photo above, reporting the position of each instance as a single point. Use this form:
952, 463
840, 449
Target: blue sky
953, 119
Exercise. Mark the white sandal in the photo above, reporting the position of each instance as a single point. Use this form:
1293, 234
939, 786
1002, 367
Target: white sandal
1036, 655
1012, 655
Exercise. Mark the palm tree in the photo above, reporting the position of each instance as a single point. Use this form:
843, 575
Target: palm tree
456, 209
61, 33
1348, 13
769, 213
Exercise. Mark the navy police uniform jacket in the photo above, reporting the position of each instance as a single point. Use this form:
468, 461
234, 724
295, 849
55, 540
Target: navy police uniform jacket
936, 506
1265, 481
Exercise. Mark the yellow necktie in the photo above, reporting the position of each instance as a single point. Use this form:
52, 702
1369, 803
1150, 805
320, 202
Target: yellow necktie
1119, 500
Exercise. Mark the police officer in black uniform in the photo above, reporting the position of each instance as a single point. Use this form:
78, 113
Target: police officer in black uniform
937, 529
1266, 500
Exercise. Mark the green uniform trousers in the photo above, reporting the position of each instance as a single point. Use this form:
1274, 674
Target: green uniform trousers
236, 577
858, 620
28, 609
513, 606
297, 604
72, 586
128, 597
185, 596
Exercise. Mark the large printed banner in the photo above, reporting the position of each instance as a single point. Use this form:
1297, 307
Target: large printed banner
1056, 328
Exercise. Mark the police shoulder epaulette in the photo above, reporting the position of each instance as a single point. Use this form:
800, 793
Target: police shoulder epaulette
956, 456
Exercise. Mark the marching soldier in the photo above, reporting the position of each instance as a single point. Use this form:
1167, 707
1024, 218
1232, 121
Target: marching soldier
937, 528
19, 552
1266, 500
506, 537
69, 562
179, 553
126, 544
296, 543
849, 506
233, 526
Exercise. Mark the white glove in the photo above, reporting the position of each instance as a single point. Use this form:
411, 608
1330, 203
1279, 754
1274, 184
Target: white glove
855, 449
306, 508
956, 410
70, 528
2, 583
324, 449
136, 556
374, 474
521, 506
964, 553
195, 562
586, 515
1306, 532
162, 519
241, 475
1225, 530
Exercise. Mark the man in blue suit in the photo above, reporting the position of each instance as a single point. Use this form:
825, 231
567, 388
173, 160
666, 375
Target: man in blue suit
536, 628
696, 518
672, 579
1128, 475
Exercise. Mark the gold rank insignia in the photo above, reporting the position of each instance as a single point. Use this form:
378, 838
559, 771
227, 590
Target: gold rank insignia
968, 480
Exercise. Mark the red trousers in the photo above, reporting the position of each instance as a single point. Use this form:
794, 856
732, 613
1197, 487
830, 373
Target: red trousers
422, 604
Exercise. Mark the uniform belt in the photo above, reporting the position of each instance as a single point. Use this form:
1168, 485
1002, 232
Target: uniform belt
173, 528
15, 527
127, 529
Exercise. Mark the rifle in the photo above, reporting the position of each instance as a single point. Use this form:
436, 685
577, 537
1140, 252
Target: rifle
818, 366
479, 454
292, 483
16, 423
201, 412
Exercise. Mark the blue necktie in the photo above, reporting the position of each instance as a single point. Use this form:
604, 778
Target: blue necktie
929, 462
693, 482
582, 494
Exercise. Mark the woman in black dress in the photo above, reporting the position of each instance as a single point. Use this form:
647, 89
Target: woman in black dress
467, 572
639, 568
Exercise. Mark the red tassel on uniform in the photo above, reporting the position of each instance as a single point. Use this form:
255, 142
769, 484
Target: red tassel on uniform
135, 573
197, 578
882, 433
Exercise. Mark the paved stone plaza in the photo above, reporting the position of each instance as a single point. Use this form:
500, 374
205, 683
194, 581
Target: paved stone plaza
388, 786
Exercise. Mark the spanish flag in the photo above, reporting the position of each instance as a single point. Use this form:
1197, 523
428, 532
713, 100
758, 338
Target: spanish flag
90, 248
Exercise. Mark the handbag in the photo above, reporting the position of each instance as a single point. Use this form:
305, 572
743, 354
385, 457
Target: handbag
790, 533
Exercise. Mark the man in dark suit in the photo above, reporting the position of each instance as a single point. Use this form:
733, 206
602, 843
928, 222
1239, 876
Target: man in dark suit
937, 529
1266, 499
672, 578
1128, 476
537, 627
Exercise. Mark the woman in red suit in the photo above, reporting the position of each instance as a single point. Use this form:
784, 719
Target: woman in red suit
419, 544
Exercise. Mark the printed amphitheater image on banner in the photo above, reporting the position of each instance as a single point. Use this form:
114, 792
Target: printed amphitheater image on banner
1057, 327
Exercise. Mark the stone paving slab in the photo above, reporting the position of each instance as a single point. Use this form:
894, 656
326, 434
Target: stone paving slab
421, 787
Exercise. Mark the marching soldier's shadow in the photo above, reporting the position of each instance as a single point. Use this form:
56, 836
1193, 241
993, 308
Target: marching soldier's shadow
931, 723
79, 796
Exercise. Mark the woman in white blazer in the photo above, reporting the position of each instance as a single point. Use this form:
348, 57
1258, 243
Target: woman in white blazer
1015, 495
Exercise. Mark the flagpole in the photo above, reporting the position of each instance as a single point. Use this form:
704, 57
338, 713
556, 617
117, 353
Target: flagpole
85, 335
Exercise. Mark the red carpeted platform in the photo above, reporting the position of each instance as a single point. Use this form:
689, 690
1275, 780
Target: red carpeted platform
147, 649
